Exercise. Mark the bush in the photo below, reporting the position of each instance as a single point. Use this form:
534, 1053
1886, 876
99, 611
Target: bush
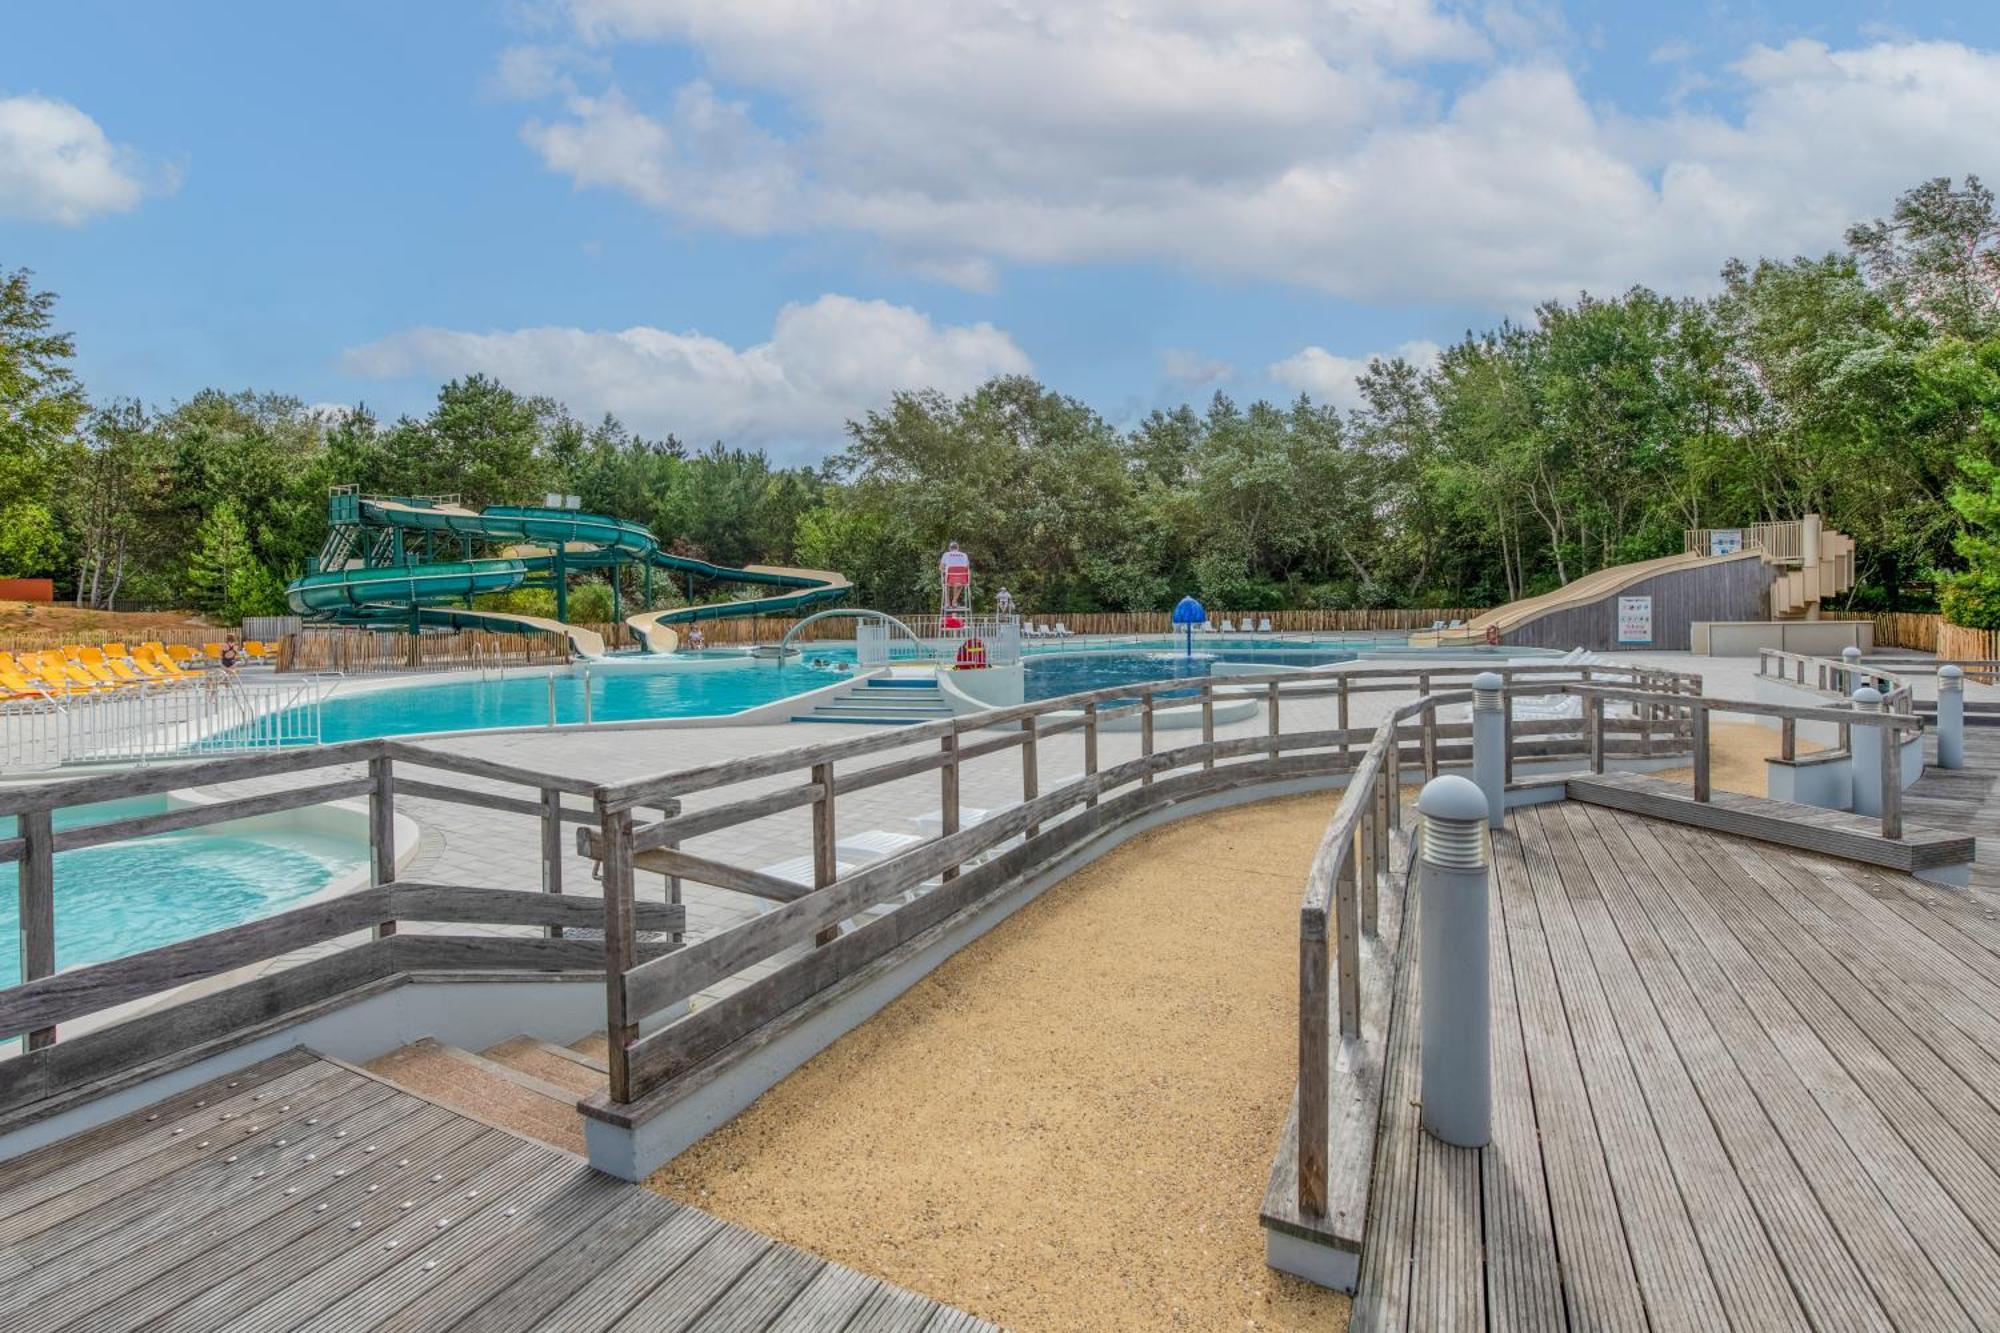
590, 604
1972, 601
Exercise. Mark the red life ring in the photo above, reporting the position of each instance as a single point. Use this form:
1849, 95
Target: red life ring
1493, 635
971, 655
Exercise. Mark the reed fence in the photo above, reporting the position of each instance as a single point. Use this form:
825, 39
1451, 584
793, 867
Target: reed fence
37, 641
753, 629
357, 651
1911, 629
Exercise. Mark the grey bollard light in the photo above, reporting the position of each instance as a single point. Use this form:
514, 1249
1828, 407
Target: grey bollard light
1951, 717
1489, 745
1457, 1022
1864, 754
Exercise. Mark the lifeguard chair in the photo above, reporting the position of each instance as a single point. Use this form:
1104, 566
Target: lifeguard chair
954, 588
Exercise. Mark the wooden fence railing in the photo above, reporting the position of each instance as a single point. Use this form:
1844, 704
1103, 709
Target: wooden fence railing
121, 1045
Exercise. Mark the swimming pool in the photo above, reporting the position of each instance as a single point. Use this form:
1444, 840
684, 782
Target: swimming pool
620, 691
1050, 676
126, 897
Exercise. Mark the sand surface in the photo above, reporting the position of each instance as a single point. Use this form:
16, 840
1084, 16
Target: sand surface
1067, 1126
1736, 755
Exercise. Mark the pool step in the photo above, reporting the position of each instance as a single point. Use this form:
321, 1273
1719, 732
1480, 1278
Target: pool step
884, 701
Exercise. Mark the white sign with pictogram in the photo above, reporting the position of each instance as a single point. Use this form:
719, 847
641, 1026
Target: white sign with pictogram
1635, 620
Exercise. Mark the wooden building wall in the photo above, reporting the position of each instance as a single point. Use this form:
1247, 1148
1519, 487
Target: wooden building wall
1728, 590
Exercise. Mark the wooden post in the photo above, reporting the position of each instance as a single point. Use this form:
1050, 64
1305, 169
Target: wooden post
382, 831
1315, 1063
1208, 721
825, 868
1362, 853
1379, 825
1429, 736
1031, 769
1594, 709
1347, 917
948, 793
1698, 718
1343, 714
1392, 772
37, 892
1146, 733
1089, 746
1507, 732
552, 848
1892, 781
621, 946
1788, 739
1271, 722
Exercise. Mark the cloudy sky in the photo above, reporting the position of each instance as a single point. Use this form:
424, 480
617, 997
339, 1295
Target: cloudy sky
752, 219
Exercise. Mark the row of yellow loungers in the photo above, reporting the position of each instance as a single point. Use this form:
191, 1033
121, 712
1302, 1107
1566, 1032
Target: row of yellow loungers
83, 669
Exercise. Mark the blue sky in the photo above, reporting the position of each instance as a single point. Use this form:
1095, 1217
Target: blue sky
720, 217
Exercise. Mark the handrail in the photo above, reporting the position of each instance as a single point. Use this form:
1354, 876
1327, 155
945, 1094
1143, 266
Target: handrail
1833, 676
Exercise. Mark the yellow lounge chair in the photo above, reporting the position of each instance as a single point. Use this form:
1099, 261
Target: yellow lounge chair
256, 650
19, 686
182, 654
168, 666
91, 660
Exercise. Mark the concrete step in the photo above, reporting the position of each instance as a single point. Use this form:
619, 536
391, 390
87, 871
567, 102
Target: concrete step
486, 1090
559, 1065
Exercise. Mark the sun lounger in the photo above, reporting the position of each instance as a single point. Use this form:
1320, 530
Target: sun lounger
873, 845
1063, 631
1264, 625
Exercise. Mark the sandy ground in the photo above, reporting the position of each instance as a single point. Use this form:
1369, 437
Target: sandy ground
36, 619
1067, 1126
1736, 755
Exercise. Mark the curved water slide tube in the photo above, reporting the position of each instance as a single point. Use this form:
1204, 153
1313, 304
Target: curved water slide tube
391, 592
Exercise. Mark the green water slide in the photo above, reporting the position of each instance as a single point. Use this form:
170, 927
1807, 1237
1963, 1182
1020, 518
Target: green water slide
380, 565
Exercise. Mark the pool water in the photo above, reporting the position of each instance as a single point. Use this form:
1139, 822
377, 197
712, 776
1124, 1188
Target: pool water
126, 897
1051, 676
619, 692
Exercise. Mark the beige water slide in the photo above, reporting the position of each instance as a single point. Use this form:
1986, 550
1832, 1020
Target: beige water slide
656, 629
1813, 563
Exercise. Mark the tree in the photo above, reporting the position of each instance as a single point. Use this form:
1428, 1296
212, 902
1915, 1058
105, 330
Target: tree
41, 405
1937, 256
224, 578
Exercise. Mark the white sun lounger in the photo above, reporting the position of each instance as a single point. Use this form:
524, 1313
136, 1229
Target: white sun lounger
1228, 627
1264, 625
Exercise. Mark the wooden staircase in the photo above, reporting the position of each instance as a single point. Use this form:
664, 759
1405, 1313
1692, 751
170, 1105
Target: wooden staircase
524, 1084
1795, 592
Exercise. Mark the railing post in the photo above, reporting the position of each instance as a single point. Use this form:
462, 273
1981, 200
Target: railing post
1089, 746
1379, 829
1507, 731
1146, 734
1788, 739
37, 893
552, 848
382, 831
825, 867
1343, 714
1315, 1061
1428, 738
1593, 705
1489, 740
1347, 920
1864, 754
1950, 717
1271, 711
948, 794
1208, 721
1698, 731
1452, 958
1392, 775
1031, 769
1892, 781
620, 945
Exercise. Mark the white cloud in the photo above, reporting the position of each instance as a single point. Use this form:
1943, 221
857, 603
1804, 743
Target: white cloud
1192, 370
56, 165
826, 361
1330, 378
1290, 140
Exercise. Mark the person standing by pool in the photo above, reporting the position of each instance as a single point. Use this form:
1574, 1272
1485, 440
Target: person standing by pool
697, 640
1003, 602
955, 573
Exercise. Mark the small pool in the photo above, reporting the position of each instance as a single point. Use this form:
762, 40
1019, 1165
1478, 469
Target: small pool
713, 685
130, 896
1050, 676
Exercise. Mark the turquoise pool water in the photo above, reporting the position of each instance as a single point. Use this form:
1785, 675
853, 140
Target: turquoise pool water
619, 692
130, 896
1050, 676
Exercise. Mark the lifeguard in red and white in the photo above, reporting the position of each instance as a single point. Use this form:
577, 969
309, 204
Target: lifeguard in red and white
955, 573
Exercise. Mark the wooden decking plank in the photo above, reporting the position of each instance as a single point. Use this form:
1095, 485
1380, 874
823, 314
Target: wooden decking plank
1673, 1271
167, 1142
1447, 1281
1820, 1265
603, 1301
298, 1281
892, 1310
67, 1253
1382, 1295
762, 1293
373, 1302
1748, 1277
1792, 1008
1600, 1286
1957, 918
1523, 1264
1885, 1217
679, 1303
1951, 1128
829, 1301
456, 1295
555, 1277
44, 1162
948, 1320
176, 1268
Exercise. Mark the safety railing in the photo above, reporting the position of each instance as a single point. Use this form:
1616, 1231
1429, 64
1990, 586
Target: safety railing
211, 714
830, 907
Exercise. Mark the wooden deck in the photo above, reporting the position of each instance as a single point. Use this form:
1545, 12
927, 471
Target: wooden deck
1736, 1086
305, 1194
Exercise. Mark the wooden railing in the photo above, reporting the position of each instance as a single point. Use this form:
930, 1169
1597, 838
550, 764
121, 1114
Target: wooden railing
115, 1045
1833, 677
960, 865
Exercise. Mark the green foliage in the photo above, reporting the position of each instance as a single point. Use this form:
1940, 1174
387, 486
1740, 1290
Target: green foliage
590, 603
224, 576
